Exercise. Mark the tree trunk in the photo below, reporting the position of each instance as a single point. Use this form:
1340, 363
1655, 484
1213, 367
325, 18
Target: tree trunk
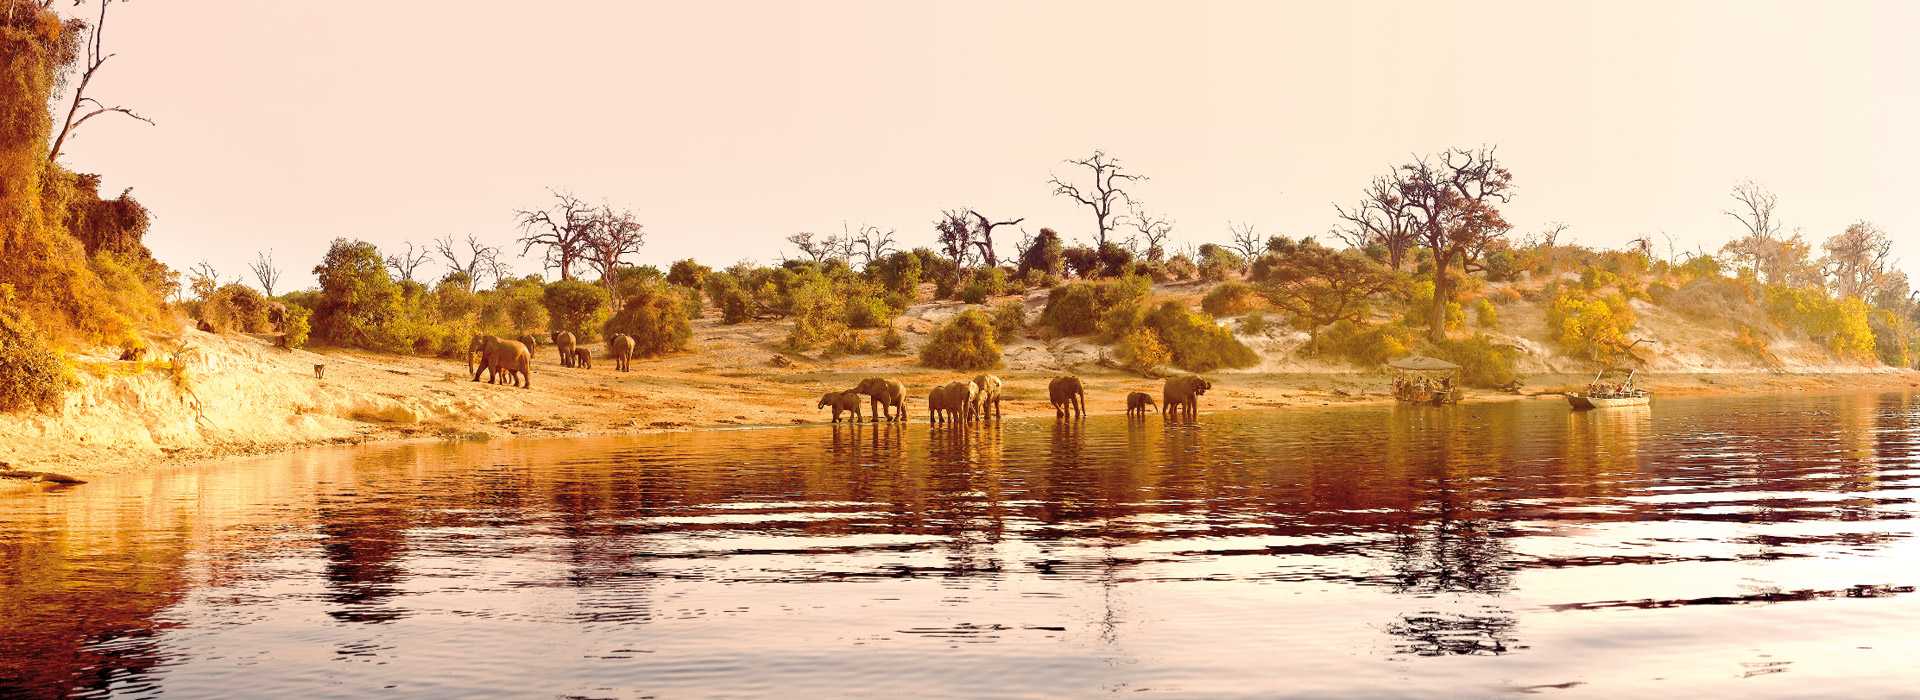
1442, 291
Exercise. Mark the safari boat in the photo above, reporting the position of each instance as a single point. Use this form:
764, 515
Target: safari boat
1612, 387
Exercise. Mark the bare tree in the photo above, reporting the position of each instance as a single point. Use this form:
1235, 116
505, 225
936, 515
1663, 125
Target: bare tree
984, 235
562, 230
1774, 258
874, 244
1026, 243
1755, 209
846, 246
479, 260
203, 278
1102, 193
815, 250
264, 271
404, 264
1152, 231
1452, 205
612, 236
1246, 240
1378, 220
95, 58
1857, 260
954, 233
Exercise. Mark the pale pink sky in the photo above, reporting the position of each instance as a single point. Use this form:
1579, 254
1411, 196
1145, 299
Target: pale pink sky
726, 126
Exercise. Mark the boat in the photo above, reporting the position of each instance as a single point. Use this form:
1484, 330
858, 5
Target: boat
1426, 380
1611, 388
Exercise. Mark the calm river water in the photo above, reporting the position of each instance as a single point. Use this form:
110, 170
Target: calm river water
1753, 546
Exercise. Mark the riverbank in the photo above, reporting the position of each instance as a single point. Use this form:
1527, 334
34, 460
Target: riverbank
221, 396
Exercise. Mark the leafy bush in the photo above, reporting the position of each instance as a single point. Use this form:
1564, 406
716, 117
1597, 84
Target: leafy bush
31, 375
1420, 307
1142, 350
1009, 318
687, 273
524, 302
1230, 299
1076, 308
1362, 345
1594, 327
1483, 363
1082, 261
1842, 325
984, 284
817, 312
1485, 314
964, 342
1255, 323
864, 310
656, 318
236, 307
891, 340
1501, 265
1218, 262
359, 304
295, 328
1197, 343
1115, 259
1045, 257
1755, 345
1121, 318
731, 297
575, 306
1181, 267
1893, 337
851, 343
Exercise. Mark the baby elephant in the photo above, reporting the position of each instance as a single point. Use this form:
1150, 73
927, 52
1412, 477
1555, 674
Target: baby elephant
1139, 403
842, 401
582, 358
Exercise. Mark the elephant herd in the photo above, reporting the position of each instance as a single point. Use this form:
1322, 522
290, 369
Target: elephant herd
962, 401
510, 361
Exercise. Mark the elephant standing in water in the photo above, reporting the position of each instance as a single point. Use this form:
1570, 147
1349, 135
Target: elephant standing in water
954, 402
1068, 396
620, 346
496, 356
1140, 403
990, 387
1181, 396
883, 395
842, 401
564, 342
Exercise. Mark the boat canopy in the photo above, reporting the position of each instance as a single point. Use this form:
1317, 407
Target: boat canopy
1422, 363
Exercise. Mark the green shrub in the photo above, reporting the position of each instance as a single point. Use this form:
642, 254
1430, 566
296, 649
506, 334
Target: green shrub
1593, 327
1420, 307
1045, 256
1255, 323
295, 328
1197, 343
1142, 350
851, 343
575, 306
656, 318
1076, 308
1363, 345
359, 305
1230, 299
864, 310
817, 312
1009, 318
1181, 268
1115, 259
31, 375
1485, 314
1121, 318
984, 284
892, 340
236, 307
687, 273
1217, 263
731, 297
1081, 261
1501, 265
1483, 363
964, 342
1893, 337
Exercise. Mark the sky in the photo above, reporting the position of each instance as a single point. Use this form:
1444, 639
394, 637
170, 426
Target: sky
726, 126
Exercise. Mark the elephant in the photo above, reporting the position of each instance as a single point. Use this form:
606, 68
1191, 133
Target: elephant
1181, 397
497, 356
1139, 402
990, 387
1068, 396
533, 344
848, 400
952, 401
582, 358
883, 395
620, 347
564, 342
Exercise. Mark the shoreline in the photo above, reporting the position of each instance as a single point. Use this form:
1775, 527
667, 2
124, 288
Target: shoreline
1281, 392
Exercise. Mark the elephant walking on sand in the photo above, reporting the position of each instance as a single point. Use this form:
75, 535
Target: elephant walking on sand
1181, 397
883, 395
582, 358
1139, 403
533, 344
952, 401
497, 356
620, 347
563, 342
1068, 396
842, 401
990, 387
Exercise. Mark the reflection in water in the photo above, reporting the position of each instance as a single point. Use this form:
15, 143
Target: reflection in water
1623, 551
